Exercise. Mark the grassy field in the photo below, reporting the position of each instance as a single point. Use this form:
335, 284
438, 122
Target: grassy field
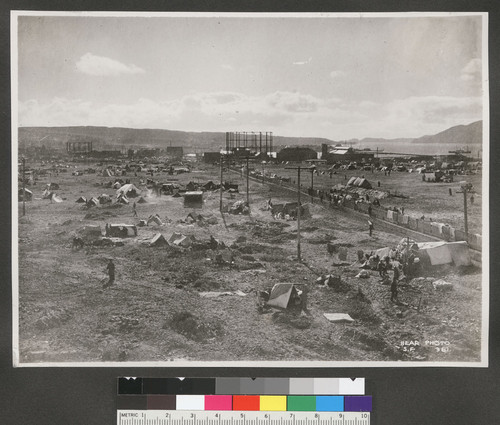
155, 311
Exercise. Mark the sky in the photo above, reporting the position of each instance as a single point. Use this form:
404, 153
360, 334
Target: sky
339, 78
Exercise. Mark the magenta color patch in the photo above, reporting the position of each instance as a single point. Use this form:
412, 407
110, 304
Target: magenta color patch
218, 402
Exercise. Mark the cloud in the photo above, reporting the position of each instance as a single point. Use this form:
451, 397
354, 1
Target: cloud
472, 71
103, 67
302, 62
284, 112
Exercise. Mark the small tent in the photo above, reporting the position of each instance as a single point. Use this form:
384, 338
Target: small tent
91, 231
104, 199
122, 199
210, 185
154, 219
55, 198
357, 181
28, 195
193, 199
81, 200
283, 295
365, 184
142, 200
121, 230
179, 239
445, 253
351, 181
129, 190
92, 202
158, 240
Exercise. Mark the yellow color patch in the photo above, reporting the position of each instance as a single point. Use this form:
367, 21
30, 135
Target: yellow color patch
273, 403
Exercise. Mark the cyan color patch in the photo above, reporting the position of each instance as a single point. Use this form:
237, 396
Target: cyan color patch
333, 403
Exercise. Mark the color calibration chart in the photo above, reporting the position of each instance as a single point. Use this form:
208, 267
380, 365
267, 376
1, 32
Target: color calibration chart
243, 401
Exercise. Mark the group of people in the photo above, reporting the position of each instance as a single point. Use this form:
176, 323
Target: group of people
405, 262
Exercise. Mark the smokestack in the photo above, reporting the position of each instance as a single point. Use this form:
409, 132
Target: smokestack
324, 150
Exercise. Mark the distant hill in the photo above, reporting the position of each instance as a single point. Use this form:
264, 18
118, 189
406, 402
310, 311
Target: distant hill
130, 137
471, 134
460, 135
124, 138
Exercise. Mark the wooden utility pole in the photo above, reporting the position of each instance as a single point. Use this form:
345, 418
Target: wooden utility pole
312, 169
466, 188
248, 184
24, 186
298, 209
247, 159
221, 183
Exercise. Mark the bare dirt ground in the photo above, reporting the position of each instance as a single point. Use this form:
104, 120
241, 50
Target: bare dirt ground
154, 312
418, 197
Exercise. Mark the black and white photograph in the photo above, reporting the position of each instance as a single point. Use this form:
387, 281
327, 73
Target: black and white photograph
250, 189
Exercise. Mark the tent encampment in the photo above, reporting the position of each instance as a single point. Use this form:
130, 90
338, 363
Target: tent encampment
436, 253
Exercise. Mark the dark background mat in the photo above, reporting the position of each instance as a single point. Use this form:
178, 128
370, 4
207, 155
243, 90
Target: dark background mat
401, 395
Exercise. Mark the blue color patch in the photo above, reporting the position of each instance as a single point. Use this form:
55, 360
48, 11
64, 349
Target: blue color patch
333, 403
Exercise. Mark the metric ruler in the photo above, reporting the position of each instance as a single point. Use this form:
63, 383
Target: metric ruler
234, 417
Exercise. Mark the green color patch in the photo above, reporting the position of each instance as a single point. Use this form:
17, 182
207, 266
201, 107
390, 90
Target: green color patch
301, 403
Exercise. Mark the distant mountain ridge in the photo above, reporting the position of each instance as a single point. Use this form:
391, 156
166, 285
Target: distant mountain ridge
457, 136
154, 138
471, 134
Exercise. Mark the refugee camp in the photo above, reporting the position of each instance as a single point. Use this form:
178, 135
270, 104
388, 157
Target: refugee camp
248, 213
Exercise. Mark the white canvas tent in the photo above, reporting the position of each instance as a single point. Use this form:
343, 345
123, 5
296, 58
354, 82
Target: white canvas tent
129, 190
158, 240
282, 295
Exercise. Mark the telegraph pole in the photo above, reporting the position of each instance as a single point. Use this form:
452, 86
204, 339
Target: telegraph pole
466, 188
312, 169
298, 208
220, 202
248, 183
247, 159
24, 186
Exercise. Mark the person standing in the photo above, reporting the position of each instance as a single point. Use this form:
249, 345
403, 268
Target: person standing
394, 285
370, 227
111, 273
135, 209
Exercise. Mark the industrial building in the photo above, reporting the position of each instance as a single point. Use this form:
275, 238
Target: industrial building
334, 154
296, 154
